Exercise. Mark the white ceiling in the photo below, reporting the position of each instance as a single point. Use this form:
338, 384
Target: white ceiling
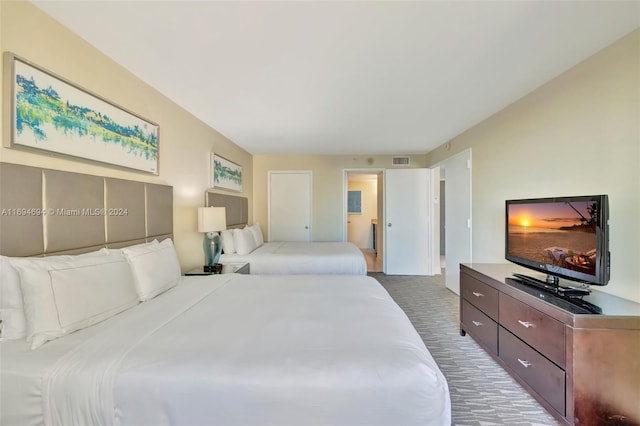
360, 77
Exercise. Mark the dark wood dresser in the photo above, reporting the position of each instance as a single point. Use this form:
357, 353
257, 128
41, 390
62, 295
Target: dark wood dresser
584, 368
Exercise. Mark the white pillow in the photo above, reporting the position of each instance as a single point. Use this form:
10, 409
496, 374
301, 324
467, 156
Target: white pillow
155, 268
65, 295
244, 241
228, 245
14, 325
257, 234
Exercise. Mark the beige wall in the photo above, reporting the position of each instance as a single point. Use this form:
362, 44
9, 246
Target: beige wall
328, 210
579, 134
185, 141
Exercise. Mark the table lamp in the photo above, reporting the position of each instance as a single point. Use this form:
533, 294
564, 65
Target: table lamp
210, 221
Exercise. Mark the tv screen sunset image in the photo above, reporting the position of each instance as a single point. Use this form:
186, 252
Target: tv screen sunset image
559, 233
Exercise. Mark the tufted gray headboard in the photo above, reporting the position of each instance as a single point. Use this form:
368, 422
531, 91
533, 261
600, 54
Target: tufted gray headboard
45, 211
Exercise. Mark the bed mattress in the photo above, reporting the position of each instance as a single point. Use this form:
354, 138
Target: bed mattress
291, 258
234, 350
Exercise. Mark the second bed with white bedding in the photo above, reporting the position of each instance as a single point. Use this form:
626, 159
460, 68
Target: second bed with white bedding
293, 258
235, 350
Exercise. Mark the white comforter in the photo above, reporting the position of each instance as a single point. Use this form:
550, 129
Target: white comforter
234, 350
290, 258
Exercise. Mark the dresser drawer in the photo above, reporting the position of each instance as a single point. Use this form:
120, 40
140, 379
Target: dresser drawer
537, 329
481, 327
480, 295
546, 378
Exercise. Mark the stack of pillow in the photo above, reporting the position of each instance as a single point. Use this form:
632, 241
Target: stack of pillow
242, 241
43, 298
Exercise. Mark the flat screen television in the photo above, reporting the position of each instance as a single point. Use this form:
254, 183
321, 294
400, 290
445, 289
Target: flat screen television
564, 237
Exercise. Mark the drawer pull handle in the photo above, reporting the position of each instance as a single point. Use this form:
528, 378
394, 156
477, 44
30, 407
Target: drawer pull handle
526, 364
526, 324
476, 323
476, 294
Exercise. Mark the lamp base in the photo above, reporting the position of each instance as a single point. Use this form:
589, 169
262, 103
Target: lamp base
212, 248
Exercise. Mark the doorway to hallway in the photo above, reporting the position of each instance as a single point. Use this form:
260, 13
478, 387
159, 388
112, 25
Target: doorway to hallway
363, 210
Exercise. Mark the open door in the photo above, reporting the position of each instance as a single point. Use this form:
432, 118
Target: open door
407, 222
457, 181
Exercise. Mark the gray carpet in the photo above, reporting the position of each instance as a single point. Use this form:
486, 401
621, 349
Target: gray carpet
482, 393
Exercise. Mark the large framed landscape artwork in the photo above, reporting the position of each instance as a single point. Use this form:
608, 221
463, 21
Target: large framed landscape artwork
55, 116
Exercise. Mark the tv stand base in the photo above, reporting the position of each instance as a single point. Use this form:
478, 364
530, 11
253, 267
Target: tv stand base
569, 291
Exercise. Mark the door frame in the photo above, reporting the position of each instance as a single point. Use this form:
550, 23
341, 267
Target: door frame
307, 172
452, 195
345, 187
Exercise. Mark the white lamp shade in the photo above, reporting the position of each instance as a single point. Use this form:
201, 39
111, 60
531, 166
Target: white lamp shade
212, 219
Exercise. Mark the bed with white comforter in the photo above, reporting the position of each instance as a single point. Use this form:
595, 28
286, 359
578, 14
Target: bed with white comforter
234, 350
291, 258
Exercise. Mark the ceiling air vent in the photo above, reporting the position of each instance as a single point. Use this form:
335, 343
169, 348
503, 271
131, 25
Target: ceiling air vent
400, 161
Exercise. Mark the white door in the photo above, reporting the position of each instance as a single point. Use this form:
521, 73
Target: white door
289, 202
457, 172
380, 220
434, 227
406, 222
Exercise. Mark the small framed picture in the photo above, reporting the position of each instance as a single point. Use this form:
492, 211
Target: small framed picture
354, 202
225, 174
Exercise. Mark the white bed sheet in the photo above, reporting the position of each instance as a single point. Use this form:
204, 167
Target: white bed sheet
234, 350
295, 258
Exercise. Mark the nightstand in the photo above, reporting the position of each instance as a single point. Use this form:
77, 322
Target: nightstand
227, 268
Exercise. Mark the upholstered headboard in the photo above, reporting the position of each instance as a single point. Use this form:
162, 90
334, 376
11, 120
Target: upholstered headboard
47, 211
237, 207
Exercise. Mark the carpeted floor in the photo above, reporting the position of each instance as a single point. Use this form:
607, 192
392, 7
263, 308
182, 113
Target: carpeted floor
482, 393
